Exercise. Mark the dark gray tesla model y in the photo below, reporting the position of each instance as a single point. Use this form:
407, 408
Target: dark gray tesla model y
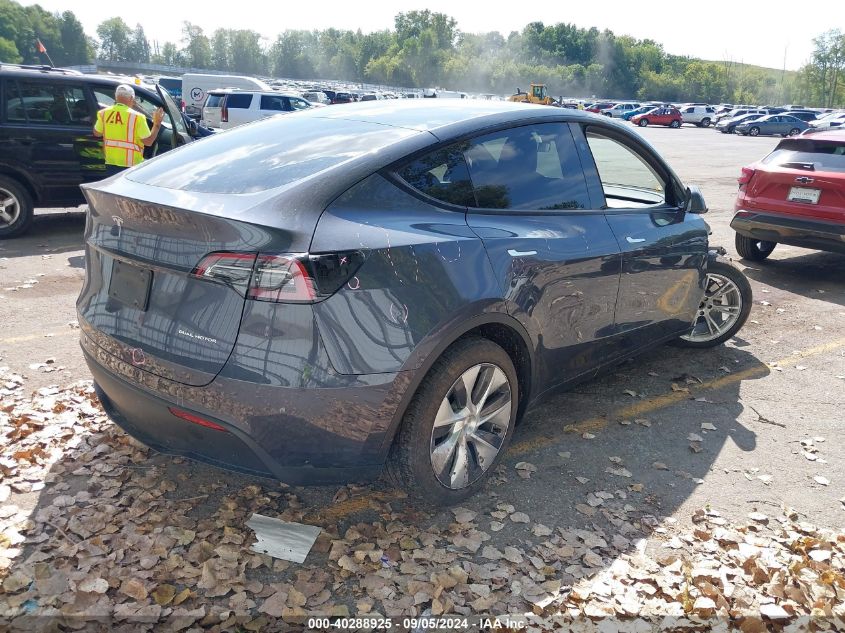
318, 296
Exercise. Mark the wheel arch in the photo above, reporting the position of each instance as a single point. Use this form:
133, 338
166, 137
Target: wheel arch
22, 179
498, 327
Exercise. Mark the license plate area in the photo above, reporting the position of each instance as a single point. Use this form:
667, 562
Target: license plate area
130, 284
804, 194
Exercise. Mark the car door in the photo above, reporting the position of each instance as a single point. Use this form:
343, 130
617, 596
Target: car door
664, 249
49, 129
178, 133
551, 248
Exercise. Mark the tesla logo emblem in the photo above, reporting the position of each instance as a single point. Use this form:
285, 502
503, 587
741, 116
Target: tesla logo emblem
138, 357
118, 222
804, 180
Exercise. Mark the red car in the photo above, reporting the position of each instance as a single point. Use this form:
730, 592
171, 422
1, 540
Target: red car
795, 195
659, 116
599, 106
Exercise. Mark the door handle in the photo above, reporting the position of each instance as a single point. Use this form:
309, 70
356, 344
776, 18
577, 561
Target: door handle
635, 240
515, 253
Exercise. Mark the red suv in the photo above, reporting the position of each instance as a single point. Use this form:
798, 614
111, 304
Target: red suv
795, 195
663, 115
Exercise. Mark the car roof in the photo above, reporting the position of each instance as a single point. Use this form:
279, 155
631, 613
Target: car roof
447, 117
836, 135
10, 71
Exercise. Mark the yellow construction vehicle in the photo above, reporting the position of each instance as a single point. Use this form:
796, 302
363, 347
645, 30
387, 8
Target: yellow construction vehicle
536, 94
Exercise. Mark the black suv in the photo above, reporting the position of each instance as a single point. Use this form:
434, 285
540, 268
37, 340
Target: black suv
47, 144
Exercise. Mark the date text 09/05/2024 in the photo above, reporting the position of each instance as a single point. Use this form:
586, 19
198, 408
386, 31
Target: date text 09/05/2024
425, 623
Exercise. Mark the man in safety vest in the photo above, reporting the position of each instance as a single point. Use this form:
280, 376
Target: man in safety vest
125, 131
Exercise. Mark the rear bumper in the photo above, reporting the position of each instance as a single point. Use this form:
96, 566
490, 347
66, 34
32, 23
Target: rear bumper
792, 230
333, 437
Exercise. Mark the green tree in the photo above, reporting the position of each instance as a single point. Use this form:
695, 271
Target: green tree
221, 58
75, 44
197, 51
139, 46
115, 40
247, 53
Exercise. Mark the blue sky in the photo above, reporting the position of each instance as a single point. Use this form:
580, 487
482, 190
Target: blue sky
711, 30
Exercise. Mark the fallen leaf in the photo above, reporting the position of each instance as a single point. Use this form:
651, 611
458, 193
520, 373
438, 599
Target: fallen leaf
463, 515
824, 481
164, 594
93, 585
519, 517
660, 466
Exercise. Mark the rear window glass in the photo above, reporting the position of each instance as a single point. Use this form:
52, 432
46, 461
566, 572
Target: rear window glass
443, 175
238, 101
214, 101
809, 155
270, 153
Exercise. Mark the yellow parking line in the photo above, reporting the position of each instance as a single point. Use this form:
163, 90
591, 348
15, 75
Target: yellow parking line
346, 508
661, 402
35, 337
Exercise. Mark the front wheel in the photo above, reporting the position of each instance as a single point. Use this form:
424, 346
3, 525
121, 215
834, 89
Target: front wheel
754, 250
675, 124
643, 123
705, 122
458, 424
723, 309
794, 131
755, 131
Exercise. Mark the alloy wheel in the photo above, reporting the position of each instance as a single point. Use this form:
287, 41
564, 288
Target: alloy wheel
719, 309
470, 426
10, 207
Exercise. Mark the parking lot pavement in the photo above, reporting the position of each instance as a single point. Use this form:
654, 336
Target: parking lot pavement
750, 427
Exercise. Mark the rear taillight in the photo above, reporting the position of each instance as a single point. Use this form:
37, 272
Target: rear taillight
284, 278
746, 175
195, 419
281, 278
233, 269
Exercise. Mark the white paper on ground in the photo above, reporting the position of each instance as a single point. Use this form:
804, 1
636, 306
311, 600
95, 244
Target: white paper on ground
280, 539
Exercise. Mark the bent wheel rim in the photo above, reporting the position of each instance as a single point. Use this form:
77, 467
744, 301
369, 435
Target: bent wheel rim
10, 208
470, 426
719, 310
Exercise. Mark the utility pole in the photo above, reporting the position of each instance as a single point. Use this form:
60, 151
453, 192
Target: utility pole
783, 75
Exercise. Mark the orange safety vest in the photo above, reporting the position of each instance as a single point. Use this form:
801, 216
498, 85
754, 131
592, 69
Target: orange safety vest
123, 130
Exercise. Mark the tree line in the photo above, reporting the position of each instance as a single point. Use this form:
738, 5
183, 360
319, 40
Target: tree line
426, 49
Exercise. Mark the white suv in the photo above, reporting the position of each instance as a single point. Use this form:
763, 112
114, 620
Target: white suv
619, 109
699, 115
224, 109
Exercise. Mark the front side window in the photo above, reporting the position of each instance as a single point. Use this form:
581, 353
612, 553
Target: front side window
105, 99
50, 104
274, 103
298, 104
627, 180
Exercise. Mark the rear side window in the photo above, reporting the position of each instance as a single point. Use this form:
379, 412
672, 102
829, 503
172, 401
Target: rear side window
533, 167
46, 104
241, 101
809, 155
214, 101
443, 175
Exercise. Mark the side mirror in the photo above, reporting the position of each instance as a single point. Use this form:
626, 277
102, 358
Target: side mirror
695, 201
193, 128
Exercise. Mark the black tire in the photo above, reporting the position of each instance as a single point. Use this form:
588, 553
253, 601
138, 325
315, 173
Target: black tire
675, 124
753, 250
755, 131
409, 464
705, 122
731, 130
643, 123
23, 211
741, 281
794, 132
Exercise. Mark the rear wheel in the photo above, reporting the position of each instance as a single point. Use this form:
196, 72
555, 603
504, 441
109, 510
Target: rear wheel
705, 122
16, 208
643, 123
675, 124
723, 309
754, 250
794, 131
755, 131
458, 424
